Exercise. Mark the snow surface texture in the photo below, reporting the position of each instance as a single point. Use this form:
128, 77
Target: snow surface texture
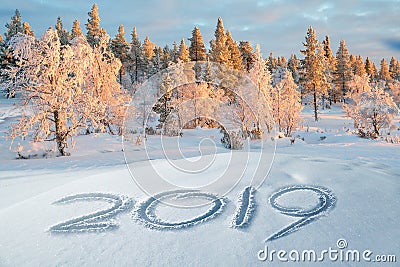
95, 222
327, 201
245, 208
363, 175
145, 211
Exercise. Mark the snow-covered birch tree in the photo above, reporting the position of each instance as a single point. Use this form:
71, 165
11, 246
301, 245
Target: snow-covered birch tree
261, 78
52, 100
102, 85
358, 85
373, 111
65, 88
286, 104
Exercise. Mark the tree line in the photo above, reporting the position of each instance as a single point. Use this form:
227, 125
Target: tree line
80, 81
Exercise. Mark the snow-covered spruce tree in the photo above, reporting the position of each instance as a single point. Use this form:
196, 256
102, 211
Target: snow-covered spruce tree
358, 66
278, 75
397, 77
393, 68
155, 64
136, 58
166, 58
161, 58
232, 140
384, 73
282, 62
271, 62
286, 104
172, 124
6, 55
53, 104
375, 77
76, 30
313, 74
63, 34
14, 26
398, 70
6, 61
343, 70
293, 66
148, 49
352, 60
235, 57
219, 52
93, 26
183, 53
373, 111
174, 52
120, 47
27, 29
369, 68
330, 69
197, 51
247, 55
163, 106
209, 74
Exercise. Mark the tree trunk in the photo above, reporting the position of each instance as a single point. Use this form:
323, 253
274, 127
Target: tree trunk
165, 115
60, 136
376, 130
315, 105
279, 111
375, 124
10, 94
136, 69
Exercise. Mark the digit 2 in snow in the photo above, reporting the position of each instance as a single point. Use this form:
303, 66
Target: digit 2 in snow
145, 211
98, 221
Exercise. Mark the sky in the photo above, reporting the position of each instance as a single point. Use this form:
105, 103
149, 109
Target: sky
370, 28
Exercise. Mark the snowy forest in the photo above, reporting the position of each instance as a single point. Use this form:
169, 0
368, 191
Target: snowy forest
82, 81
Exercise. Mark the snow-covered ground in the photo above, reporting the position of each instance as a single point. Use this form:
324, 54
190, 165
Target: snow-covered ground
87, 210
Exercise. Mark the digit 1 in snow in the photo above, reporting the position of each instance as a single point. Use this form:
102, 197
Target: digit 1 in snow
245, 208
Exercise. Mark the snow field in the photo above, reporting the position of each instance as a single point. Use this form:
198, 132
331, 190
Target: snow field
361, 174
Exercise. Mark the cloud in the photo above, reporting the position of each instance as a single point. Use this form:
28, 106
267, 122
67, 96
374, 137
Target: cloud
392, 44
279, 26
